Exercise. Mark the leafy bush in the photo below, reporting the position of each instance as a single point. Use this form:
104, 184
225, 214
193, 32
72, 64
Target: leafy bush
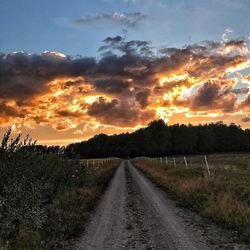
45, 199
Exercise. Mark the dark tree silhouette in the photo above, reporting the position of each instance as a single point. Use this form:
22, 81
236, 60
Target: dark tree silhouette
159, 139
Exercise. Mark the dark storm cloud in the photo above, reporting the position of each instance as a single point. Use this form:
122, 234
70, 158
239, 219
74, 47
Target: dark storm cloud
206, 57
245, 119
8, 111
117, 113
237, 43
102, 106
206, 95
133, 47
113, 40
142, 97
24, 75
211, 96
127, 19
110, 85
205, 47
125, 68
128, 72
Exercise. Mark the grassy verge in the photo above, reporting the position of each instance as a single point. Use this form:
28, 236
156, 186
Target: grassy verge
45, 200
224, 197
68, 213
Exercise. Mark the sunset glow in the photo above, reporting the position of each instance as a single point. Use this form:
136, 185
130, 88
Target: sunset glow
66, 103
128, 83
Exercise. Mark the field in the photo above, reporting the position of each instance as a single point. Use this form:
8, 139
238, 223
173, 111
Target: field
224, 196
45, 200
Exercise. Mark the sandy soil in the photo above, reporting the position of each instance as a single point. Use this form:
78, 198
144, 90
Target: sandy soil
135, 214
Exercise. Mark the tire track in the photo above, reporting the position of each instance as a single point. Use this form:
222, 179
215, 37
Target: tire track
134, 214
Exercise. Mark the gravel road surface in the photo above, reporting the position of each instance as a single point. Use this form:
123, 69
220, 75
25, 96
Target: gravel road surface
135, 214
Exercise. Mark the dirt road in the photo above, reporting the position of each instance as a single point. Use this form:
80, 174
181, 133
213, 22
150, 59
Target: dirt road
135, 214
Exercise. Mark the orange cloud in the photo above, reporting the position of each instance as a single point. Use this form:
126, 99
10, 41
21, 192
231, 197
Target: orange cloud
125, 89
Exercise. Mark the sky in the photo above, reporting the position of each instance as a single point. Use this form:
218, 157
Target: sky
73, 69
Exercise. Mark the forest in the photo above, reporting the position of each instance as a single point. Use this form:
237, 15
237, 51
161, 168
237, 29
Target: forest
159, 139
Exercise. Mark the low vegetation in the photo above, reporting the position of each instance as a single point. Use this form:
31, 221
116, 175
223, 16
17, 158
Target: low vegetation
45, 199
224, 197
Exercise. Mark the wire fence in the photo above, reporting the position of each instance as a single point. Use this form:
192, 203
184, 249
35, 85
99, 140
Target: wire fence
209, 163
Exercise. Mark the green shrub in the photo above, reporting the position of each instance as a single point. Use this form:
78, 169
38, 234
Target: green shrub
45, 199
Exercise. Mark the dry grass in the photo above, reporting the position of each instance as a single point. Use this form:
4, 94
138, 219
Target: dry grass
224, 197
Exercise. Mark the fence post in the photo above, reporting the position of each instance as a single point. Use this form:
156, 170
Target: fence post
174, 162
208, 169
166, 160
185, 160
87, 163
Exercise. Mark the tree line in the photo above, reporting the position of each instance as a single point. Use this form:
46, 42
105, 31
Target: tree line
159, 139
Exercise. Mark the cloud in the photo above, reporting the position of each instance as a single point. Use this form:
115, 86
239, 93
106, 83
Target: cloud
68, 113
212, 96
113, 40
128, 84
245, 119
110, 85
240, 91
126, 19
142, 97
9, 111
246, 102
25, 75
119, 114
247, 79
225, 34
133, 47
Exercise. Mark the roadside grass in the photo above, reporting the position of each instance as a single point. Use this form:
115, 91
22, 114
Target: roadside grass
45, 200
224, 197
68, 213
